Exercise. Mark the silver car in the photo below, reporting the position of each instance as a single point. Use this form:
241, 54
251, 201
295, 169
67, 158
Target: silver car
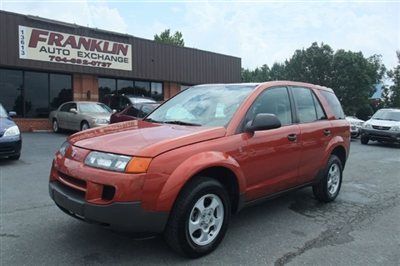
80, 116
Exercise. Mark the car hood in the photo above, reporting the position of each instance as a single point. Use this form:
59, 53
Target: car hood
141, 138
385, 123
354, 119
5, 123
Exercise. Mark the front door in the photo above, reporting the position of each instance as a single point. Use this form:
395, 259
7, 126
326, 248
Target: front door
271, 156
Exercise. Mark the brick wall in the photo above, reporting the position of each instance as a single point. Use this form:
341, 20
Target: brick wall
86, 87
171, 89
32, 124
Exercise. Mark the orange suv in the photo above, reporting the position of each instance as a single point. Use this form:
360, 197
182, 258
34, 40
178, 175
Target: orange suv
200, 157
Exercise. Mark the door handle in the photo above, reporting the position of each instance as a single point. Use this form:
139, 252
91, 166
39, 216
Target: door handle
292, 137
327, 132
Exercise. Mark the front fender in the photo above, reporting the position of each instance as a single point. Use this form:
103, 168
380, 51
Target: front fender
189, 168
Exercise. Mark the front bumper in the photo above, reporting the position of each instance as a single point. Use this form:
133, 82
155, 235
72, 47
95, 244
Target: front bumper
354, 130
10, 146
381, 135
123, 216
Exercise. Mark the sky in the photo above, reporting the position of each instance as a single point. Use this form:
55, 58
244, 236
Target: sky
259, 32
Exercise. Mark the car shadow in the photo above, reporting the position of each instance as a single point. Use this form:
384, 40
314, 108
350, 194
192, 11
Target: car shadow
118, 247
384, 144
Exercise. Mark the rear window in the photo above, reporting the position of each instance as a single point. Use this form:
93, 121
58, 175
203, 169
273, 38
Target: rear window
334, 104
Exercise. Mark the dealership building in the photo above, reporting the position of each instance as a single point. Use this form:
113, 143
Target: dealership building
44, 63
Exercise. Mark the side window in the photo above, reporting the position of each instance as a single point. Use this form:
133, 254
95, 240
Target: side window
273, 101
318, 108
66, 107
132, 111
334, 104
124, 102
306, 111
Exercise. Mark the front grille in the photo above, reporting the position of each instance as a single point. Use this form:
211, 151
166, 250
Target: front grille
6, 149
380, 127
73, 182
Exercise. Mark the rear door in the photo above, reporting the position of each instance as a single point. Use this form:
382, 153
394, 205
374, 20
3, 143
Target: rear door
62, 115
315, 130
271, 157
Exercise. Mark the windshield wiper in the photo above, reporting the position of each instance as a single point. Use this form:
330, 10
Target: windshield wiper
152, 120
182, 123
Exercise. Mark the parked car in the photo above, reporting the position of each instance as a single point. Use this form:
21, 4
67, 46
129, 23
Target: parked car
384, 126
133, 112
10, 136
355, 126
201, 156
120, 102
80, 116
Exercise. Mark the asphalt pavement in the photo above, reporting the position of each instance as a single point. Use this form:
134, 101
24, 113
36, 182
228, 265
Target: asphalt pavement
362, 227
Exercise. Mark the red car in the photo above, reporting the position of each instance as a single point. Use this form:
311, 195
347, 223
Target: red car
200, 157
132, 112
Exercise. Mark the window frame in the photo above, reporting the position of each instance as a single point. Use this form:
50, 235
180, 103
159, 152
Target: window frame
291, 103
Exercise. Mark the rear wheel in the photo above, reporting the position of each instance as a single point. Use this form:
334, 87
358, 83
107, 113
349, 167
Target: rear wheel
328, 187
55, 126
199, 219
364, 140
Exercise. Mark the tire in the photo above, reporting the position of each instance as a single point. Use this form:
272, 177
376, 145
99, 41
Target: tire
56, 128
84, 125
364, 140
15, 157
187, 240
327, 189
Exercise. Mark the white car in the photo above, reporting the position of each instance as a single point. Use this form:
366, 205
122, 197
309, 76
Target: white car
384, 126
355, 125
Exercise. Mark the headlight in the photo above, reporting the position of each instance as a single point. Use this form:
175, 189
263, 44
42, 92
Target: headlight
100, 121
64, 148
11, 131
366, 125
119, 163
395, 128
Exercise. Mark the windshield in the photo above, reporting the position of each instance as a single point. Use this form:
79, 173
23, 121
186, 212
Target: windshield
94, 108
387, 115
3, 112
212, 105
141, 100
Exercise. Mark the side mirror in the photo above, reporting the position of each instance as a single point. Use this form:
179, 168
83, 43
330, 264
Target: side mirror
12, 113
263, 122
73, 110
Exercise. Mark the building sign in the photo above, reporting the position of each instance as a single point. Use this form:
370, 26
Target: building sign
57, 47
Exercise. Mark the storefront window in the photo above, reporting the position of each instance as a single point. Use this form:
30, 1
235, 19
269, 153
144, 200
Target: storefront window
11, 82
106, 86
125, 87
142, 88
36, 87
157, 91
60, 90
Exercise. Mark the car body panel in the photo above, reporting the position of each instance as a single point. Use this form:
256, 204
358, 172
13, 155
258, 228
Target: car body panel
9, 145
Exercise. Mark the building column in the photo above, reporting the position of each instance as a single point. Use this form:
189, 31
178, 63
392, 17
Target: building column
171, 89
86, 87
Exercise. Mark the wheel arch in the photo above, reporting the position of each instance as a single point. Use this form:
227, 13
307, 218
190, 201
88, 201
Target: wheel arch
216, 165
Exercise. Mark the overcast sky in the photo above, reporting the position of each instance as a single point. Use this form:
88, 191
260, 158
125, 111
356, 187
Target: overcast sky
260, 32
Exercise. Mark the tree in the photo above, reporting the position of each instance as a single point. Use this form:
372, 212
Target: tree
392, 93
166, 37
313, 65
354, 78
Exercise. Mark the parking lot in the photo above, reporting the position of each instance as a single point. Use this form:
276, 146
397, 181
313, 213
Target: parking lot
362, 227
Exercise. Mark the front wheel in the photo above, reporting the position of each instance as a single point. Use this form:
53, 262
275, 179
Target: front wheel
364, 140
84, 125
328, 187
56, 128
199, 219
